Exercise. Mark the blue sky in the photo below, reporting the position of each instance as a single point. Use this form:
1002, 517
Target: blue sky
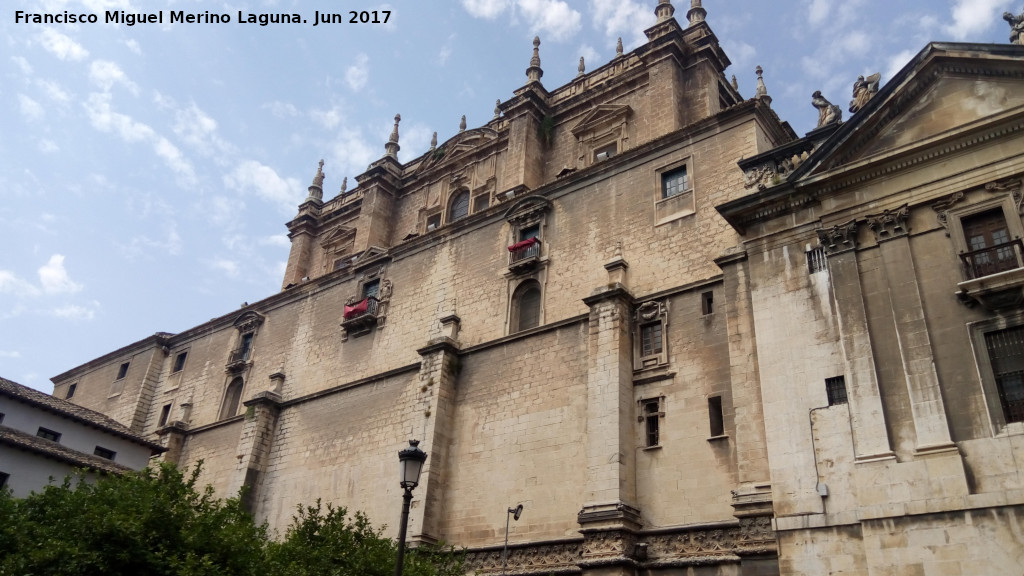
147, 172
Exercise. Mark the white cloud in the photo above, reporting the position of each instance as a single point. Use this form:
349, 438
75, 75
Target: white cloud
446, 50
251, 176
61, 46
972, 17
30, 109
230, 268
22, 64
199, 130
488, 9
10, 354
897, 62
742, 55
550, 17
76, 312
10, 283
590, 56
275, 240
47, 146
105, 74
327, 118
54, 277
627, 18
282, 109
358, 73
133, 45
54, 91
353, 153
818, 12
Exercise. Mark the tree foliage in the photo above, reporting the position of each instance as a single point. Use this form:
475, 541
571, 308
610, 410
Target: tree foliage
159, 523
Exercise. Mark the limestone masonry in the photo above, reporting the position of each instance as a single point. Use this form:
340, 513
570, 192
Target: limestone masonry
686, 339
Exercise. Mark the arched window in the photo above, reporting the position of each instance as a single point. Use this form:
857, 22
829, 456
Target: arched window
232, 396
459, 207
526, 306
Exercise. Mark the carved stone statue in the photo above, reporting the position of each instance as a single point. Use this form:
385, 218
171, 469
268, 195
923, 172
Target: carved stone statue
1016, 27
863, 90
828, 113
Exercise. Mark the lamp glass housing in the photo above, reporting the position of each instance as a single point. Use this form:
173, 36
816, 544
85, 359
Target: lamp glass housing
410, 464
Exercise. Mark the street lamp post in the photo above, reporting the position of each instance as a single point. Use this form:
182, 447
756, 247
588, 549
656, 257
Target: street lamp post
514, 513
410, 461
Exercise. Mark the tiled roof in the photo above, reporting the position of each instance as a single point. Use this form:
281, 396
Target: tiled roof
55, 451
72, 411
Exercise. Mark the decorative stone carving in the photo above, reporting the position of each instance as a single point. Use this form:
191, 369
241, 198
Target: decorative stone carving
863, 90
392, 147
828, 113
839, 238
1012, 185
581, 69
618, 47
609, 544
696, 14
942, 207
543, 559
889, 224
316, 189
734, 83
497, 114
383, 301
462, 124
649, 311
1016, 27
762, 90
761, 176
249, 321
534, 73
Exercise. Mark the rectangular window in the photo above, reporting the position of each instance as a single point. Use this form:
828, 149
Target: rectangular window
529, 232
707, 303
715, 416
1006, 352
990, 249
179, 362
371, 289
650, 336
122, 371
605, 152
3, 479
674, 183
481, 202
165, 413
433, 222
1, 417
246, 346
816, 260
652, 426
47, 434
71, 391
836, 389
104, 453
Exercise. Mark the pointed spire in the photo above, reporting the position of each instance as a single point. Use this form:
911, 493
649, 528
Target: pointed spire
392, 146
735, 84
618, 47
462, 124
433, 142
534, 72
581, 69
696, 13
497, 109
316, 189
762, 90
664, 10
344, 186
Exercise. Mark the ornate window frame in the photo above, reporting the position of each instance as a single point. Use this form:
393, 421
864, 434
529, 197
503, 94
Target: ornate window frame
648, 419
986, 375
337, 245
647, 314
245, 324
524, 214
603, 126
375, 273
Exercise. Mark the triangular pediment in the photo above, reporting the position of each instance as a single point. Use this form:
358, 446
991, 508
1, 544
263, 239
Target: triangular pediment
601, 116
369, 255
945, 90
341, 233
464, 142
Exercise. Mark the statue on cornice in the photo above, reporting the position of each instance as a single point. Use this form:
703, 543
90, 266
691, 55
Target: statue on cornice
863, 90
828, 113
1016, 27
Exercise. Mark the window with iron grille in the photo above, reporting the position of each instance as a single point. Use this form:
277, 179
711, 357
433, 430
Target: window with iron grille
459, 207
650, 335
651, 413
1006, 351
816, 260
836, 389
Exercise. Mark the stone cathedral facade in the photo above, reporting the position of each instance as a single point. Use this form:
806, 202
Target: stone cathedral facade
686, 339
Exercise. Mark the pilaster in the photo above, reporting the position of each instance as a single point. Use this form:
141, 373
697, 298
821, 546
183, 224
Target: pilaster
172, 437
870, 437
380, 184
255, 442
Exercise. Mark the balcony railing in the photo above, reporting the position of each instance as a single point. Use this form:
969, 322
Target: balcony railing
239, 355
522, 252
366, 307
998, 258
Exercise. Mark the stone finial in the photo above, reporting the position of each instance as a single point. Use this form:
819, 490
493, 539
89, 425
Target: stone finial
664, 10
828, 113
392, 146
497, 109
581, 69
734, 83
534, 72
618, 47
696, 13
462, 124
316, 189
433, 142
1016, 27
344, 186
762, 90
863, 90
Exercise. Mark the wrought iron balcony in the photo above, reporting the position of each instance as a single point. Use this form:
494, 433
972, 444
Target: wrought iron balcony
995, 276
361, 316
238, 358
524, 255
993, 260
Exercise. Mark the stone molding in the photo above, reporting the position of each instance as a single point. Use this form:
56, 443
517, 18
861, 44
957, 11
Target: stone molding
839, 238
890, 223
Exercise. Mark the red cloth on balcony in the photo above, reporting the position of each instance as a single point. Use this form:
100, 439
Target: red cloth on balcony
522, 244
356, 309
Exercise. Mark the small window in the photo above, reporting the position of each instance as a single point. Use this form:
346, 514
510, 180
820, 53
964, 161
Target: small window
1006, 352
836, 389
3, 479
71, 391
104, 453
459, 207
674, 182
605, 152
707, 303
122, 371
651, 415
179, 362
816, 261
481, 202
1, 417
651, 341
526, 306
371, 289
47, 434
715, 417
165, 413
245, 346
433, 222
232, 397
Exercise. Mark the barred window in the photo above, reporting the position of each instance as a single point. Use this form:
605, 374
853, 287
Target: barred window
836, 389
816, 260
1006, 351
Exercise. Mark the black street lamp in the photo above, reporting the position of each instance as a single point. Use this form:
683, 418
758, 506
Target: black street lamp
515, 513
410, 462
